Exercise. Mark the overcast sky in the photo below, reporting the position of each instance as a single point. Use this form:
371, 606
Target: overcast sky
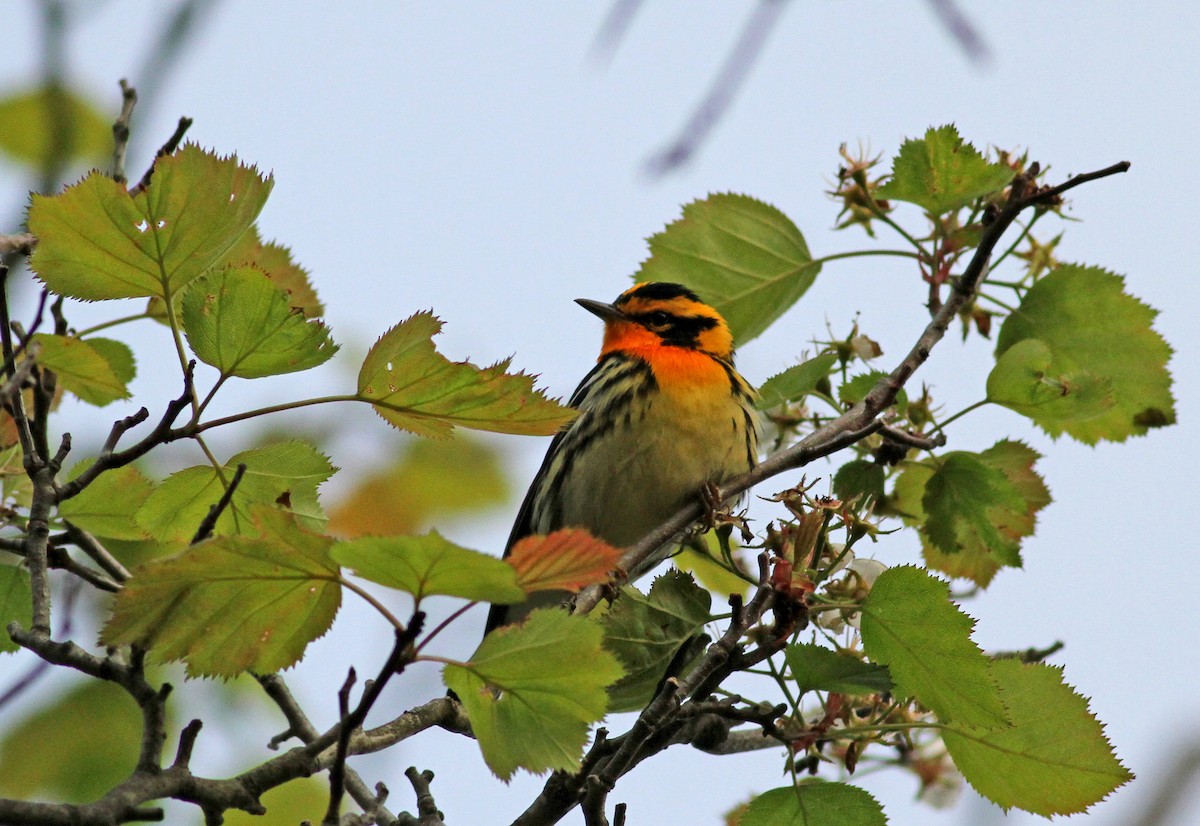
470, 157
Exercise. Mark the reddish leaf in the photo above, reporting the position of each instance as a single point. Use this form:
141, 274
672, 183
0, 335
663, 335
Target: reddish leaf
565, 560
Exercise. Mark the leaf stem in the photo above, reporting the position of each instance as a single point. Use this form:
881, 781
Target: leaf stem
111, 323
429, 637
275, 408
959, 415
374, 603
864, 253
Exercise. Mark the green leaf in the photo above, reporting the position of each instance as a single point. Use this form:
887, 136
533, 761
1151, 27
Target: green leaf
1092, 327
855, 390
96, 370
238, 321
296, 801
107, 506
966, 500
275, 262
532, 690
428, 565
861, 478
647, 631
910, 625
796, 382
16, 603
1024, 380
814, 803
234, 603
414, 387
426, 479
816, 668
286, 474
58, 752
976, 560
942, 173
96, 242
1053, 760
745, 258
710, 569
49, 124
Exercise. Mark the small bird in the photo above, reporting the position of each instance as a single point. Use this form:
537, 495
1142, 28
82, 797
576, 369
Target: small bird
662, 414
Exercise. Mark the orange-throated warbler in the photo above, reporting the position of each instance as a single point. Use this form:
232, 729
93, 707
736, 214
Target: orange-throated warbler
662, 414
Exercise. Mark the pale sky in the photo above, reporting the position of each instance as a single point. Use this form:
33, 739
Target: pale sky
470, 157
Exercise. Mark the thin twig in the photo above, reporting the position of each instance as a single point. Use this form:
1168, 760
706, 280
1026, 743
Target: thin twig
120, 130
91, 546
166, 149
21, 243
209, 522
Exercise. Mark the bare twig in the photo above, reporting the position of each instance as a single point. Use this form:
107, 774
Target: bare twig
427, 810
166, 149
120, 131
59, 558
91, 546
209, 522
21, 243
913, 439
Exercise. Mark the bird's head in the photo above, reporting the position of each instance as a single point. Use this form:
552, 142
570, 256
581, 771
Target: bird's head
657, 313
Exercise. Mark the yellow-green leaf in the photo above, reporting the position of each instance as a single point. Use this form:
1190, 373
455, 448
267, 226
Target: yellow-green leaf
1024, 379
16, 602
532, 690
107, 506
427, 565
275, 262
941, 173
96, 242
240, 322
742, 256
52, 123
814, 803
414, 387
796, 382
233, 603
1053, 760
96, 370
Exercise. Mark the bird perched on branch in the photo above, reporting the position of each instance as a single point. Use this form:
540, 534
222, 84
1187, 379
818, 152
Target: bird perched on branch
662, 414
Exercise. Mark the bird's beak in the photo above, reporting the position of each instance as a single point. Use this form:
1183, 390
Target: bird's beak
598, 308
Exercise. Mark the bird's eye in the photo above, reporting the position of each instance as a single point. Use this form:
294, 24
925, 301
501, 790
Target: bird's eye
659, 318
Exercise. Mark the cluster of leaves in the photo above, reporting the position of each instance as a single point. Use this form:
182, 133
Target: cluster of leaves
870, 665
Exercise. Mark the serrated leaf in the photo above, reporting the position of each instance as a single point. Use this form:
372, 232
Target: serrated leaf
107, 506
565, 560
275, 262
427, 479
16, 603
1091, 326
814, 803
52, 124
56, 753
1024, 380
796, 382
976, 561
817, 668
966, 500
532, 690
96, 370
744, 257
233, 603
941, 173
910, 625
286, 474
855, 390
427, 565
860, 478
238, 321
647, 631
95, 242
415, 388
1053, 760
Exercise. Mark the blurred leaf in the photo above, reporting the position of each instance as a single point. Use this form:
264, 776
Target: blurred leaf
428, 479
293, 802
1053, 760
415, 388
532, 690
1092, 327
234, 603
75, 748
859, 477
107, 506
275, 261
48, 124
565, 560
427, 565
647, 631
814, 803
743, 257
910, 625
817, 668
238, 321
855, 390
286, 474
95, 242
96, 370
1024, 380
796, 382
16, 603
941, 173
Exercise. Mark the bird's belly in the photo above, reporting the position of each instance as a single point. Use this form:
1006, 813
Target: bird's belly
653, 462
